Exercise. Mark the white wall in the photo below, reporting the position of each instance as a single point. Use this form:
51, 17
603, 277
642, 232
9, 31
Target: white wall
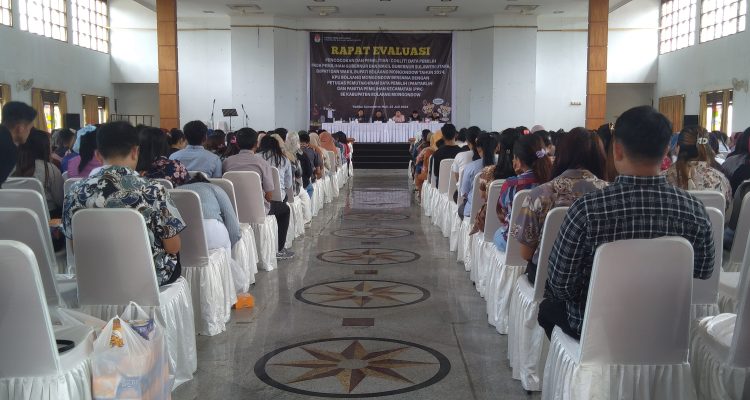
253, 74
480, 79
514, 77
53, 65
291, 55
634, 43
560, 79
705, 67
133, 43
137, 99
205, 62
624, 96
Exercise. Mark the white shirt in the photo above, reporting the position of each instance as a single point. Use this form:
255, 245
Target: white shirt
459, 163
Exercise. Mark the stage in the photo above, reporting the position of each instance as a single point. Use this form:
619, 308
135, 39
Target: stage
389, 132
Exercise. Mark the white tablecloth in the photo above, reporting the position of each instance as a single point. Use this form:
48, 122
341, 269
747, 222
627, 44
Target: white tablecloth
384, 132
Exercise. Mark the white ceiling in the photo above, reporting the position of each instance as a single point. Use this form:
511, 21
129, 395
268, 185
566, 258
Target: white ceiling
379, 8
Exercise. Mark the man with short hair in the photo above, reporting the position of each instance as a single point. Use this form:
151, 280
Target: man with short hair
640, 204
282, 132
118, 185
195, 157
18, 119
247, 160
447, 151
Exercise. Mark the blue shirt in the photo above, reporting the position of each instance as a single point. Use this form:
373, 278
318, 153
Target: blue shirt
196, 158
467, 182
215, 204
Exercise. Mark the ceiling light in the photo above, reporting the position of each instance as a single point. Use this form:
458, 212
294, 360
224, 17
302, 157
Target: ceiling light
207, 12
243, 8
557, 12
442, 11
380, 15
319, 1
521, 8
323, 10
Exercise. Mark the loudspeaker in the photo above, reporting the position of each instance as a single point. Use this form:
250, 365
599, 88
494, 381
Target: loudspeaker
73, 121
690, 120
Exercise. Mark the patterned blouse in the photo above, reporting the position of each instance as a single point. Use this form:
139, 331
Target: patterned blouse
512, 185
486, 176
701, 176
559, 192
171, 170
120, 187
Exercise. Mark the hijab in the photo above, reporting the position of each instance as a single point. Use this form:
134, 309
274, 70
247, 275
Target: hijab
292, 144
284, 149
326, 141
434, 138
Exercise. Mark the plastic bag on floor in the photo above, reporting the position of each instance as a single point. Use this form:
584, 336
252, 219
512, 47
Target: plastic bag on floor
130, 359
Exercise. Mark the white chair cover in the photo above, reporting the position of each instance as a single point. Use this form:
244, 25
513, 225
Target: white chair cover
720, 351
455, 230
25, 183
307, 206
244, 254
502, 278
115, 267
611, 361
250, 210
741, 237
527, 343
711, 198
462, 244
208, 273
706, 291
30, 366
485, 250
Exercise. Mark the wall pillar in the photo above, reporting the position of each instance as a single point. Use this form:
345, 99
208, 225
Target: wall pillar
596, 85
169, 91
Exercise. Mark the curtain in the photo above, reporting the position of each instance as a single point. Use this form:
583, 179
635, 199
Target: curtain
725, 100
673, 107
38, 104
702, 111
106, 111
63, 104
91, 109
5, 92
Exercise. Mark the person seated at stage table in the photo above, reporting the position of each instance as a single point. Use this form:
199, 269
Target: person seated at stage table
360, 116
399, 117
435, 117
577, 170
195, 157
379, 117
414, 117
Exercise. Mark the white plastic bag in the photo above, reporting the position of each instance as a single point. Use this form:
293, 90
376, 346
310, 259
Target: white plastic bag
130, 359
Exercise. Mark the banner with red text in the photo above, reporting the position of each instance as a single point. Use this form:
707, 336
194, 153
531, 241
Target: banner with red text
386, 72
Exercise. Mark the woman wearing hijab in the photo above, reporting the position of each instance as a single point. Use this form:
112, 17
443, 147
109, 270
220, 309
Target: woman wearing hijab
316, 144
426, 155
328, 144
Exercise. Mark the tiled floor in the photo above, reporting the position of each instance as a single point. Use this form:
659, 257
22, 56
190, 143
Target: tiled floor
368, 255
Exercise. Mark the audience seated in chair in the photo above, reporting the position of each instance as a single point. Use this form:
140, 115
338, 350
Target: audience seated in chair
737, 165
62, 143
219, 219
195, 157
483, 151
577, 170
449, 149
84, 160
640, 204
465, 157
271, 150
34, 162
18, 119
693, 169
117, 185
533, 168
502, 170
248, 160
153, 161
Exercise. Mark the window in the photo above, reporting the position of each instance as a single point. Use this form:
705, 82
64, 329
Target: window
721, 18
51, 106
44, 17
677, 28
90, 24
717, 110
6, 13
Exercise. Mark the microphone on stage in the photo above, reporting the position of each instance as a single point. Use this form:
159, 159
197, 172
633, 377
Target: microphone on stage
247, 119
213, 107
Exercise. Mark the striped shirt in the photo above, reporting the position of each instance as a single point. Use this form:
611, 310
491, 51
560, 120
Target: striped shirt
631, 208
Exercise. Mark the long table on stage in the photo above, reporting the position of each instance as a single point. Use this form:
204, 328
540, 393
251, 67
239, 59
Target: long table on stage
389, 132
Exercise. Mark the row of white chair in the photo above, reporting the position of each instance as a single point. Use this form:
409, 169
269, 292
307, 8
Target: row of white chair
515, 311
114, 267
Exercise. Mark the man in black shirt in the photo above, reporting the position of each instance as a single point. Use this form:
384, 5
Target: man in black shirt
415, 117
379, 117
18, 119
449, 149
360, 117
